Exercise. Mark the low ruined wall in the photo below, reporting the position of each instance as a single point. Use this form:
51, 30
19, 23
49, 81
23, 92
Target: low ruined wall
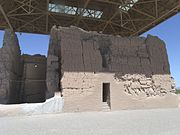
136, 68
10, 69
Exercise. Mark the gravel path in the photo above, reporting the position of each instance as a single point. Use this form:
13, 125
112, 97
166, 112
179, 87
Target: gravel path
138, 122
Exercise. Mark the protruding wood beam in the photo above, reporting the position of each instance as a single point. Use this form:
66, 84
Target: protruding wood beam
6, 18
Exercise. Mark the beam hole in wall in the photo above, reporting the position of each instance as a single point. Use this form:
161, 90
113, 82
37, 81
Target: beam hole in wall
35, 65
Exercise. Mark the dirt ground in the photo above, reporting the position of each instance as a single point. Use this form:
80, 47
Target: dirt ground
137, 122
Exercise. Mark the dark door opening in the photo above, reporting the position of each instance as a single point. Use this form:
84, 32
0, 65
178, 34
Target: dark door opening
106, 93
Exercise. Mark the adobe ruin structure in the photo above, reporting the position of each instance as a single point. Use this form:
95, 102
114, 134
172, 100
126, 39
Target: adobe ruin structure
93, 72
22, 77
99, 71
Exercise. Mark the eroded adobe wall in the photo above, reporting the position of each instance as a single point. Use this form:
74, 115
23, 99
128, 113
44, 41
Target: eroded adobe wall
22, 77
33, 86
137, 69
53, 74
10, 69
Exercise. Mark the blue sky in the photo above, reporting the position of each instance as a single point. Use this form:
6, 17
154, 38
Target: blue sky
31, 43
169, 31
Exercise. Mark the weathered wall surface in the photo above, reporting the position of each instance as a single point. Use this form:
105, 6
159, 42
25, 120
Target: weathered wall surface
22, 77
10, 69
53, 73
137, 69
33, 86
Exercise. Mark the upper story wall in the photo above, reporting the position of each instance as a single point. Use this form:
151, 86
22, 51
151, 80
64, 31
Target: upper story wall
91, 52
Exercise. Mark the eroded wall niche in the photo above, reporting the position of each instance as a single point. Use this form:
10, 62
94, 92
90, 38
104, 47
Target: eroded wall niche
136, 68
22, 77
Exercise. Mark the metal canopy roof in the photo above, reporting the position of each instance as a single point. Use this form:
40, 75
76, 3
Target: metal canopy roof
118, 17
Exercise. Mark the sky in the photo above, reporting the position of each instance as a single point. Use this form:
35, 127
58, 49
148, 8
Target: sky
169, 31
31, 43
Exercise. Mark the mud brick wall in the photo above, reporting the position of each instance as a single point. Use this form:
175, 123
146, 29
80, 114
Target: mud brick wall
53, 74
137, 69
33, 87
10, 69
22, 77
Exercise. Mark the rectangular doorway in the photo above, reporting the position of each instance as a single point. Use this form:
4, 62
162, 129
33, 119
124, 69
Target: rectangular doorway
106, 93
